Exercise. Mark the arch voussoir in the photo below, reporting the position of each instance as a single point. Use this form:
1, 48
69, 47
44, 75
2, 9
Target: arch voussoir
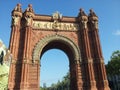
44, 41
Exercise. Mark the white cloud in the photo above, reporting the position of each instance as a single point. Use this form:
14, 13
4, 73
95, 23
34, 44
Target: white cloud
117, 33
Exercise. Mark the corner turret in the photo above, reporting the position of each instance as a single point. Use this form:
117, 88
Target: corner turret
16, 15
93, 19
82, 17
28, 15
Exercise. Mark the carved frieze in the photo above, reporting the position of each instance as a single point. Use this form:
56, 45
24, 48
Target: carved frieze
55, 25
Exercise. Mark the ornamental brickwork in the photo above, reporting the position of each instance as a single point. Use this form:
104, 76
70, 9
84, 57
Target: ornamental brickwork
33, 34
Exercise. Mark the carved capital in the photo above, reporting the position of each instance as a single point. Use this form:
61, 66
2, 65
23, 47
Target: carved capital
16, 20
105, 82
29, 20
93, 22
13, 61
84, 24
83, 21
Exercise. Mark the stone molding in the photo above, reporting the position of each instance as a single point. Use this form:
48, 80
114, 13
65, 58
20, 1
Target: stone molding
44, 41
55, 26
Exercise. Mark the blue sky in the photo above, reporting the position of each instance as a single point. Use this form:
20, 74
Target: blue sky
108, 12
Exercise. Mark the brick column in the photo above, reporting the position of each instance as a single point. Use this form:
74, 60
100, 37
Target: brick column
99, 67
87, 61
79, 75
28, 17
14, 43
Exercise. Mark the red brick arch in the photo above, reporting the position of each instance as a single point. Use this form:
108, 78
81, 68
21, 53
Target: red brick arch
56, 38
33, 34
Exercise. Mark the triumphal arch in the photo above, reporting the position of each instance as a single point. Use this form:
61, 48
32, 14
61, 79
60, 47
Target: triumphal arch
33, 34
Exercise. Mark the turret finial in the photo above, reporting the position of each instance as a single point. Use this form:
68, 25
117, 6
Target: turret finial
81, 12
30, 9
92, 13
18, 8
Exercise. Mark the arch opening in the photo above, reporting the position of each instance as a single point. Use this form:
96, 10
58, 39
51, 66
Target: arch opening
54, 66
67, 46
56, 41
61, 46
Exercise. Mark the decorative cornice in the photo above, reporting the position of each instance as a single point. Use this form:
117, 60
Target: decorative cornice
55, 26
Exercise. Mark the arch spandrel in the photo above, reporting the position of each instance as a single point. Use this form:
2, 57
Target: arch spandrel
44, 41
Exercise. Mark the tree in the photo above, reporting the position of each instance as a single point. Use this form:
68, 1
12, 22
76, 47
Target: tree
61, 85
113, 66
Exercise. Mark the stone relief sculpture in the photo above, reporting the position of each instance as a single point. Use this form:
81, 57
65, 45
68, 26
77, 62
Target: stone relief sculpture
30, 9
95, 24
28, 20
55, 25
83, 18
57, 15
84, 24
15, 20
94, 20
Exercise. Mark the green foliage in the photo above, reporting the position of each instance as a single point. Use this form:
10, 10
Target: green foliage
60, 85
113, 66
4, 70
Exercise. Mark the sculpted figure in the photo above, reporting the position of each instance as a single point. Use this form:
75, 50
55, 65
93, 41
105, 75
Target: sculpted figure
95, 24
55, 24
94, 21
18, 8
15, 20
84, 24
28, 20
30, 9
56, 15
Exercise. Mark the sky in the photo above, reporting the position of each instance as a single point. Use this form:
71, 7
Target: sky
108, 12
